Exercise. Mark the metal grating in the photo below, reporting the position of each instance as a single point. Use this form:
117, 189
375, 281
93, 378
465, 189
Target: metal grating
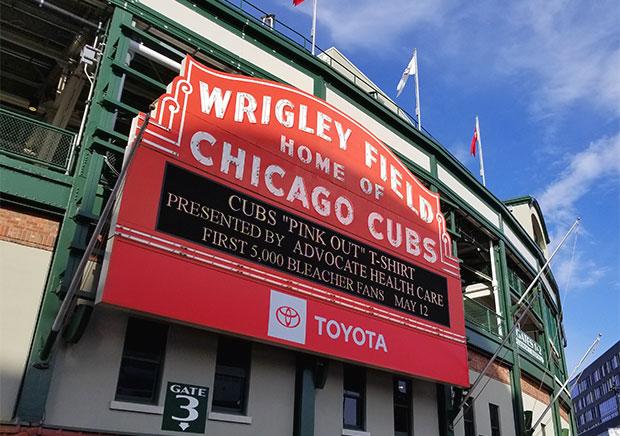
34, 140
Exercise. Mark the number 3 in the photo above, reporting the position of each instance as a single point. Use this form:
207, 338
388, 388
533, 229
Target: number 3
192, 414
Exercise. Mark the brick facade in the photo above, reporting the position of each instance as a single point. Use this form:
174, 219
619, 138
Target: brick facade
564, 412
12, 430
497, 371
535, 390
28, 228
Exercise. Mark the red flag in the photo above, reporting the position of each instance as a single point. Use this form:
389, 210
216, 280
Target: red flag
297, 2
474, 141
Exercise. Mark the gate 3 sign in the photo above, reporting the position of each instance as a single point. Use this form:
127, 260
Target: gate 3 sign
254, 208
185, 408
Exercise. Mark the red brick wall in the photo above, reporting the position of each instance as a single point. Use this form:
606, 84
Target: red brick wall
28, 228
6, 430
497, 371
564, 412
535, 390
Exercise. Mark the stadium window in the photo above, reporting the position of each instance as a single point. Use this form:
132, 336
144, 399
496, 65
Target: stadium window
232, 371
354, 401
402, 407
468, 418
494, 415
139, 376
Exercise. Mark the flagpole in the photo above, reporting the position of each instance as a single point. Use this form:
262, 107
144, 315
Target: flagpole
314, 2
484, 182
417, 90
568, 380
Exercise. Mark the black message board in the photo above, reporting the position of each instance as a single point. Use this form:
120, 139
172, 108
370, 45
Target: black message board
211, 214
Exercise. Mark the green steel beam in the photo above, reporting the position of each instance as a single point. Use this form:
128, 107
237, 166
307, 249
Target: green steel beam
320, 90
444, 410
487, 343
515, 372
82, 201
34, 183
305, 391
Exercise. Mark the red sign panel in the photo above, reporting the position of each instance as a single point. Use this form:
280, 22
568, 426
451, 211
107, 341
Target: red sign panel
254, 208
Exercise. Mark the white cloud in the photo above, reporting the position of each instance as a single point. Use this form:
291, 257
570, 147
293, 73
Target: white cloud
598, 162
574, 51
584, 173
568, 271
561, 52
368, 24
460, 150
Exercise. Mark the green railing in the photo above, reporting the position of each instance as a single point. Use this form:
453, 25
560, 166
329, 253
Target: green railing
35, 141
515, 282
483, 317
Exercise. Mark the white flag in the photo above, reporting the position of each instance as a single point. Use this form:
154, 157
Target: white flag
409, 71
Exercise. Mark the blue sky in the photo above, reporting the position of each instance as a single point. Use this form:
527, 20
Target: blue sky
544, 78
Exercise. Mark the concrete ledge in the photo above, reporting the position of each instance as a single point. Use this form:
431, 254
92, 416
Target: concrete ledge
347, 432
136, 407
229, 417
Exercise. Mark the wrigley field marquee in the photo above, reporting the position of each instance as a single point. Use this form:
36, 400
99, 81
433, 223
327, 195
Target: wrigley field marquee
254, 208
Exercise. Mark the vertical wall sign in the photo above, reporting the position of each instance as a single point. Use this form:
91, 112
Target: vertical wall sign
185, 408
255, 208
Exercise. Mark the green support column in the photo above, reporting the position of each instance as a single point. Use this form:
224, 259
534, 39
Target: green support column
555, 410
515, 373
433, 168
81, 210
445, 411
320, 89
304, 397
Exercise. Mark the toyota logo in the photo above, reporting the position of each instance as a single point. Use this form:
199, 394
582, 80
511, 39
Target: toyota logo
288, 317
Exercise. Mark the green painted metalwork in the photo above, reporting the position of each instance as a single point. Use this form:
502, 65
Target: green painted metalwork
506, 304
73, 232
35, 141
304, 397
445, 411
487, 343
483, 317
34, 183
320, 90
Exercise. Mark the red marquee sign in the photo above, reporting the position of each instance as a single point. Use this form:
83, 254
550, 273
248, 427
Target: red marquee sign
254, 208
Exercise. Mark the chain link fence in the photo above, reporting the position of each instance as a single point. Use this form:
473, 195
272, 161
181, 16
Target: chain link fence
34, 140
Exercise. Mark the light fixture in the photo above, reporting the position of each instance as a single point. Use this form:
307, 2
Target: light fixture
33, 104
